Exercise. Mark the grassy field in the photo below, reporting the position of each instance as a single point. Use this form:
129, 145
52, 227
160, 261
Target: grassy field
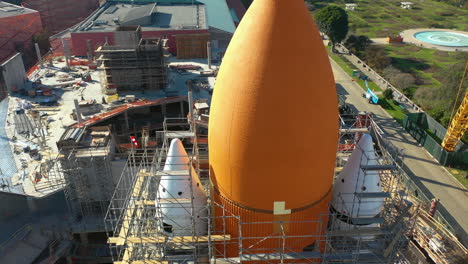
422, 63
381, 18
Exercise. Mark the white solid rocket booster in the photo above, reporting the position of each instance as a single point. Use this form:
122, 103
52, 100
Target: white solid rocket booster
352, 181
181, 197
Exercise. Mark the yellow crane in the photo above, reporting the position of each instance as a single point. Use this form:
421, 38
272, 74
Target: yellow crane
459, 124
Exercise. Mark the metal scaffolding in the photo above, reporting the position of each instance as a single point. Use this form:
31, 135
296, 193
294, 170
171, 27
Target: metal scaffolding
138, 233
133, 67
89, 185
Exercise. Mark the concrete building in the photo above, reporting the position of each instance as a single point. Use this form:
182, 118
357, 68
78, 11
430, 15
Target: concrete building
132, 64
58, 15
12, 75
167, 19
237, 9
18, 25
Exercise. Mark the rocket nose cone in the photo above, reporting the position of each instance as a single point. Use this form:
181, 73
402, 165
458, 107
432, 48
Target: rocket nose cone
177, 158
275, 74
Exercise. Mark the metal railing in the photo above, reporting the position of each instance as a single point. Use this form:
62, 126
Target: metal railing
20, 234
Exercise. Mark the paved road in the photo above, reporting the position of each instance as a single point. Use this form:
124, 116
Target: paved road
433, 179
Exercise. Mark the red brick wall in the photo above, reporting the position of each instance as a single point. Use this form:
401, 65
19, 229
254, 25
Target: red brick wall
78, 41
98, 38
170, 34
16, 34
58, 15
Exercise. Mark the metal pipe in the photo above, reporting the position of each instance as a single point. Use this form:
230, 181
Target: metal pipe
90, 50
208, 47
66, 50
190, 99
38, 53
77, 112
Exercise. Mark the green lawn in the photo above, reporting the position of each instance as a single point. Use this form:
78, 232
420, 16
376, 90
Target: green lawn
393, 109
381, 18
348, 67
421, 62
459, 175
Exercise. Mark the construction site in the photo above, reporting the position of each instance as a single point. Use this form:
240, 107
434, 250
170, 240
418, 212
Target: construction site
138, 154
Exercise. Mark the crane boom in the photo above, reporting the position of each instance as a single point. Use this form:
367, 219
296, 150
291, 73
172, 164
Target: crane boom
459, 124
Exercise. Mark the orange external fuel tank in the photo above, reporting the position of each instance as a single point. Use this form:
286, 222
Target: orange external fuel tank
273, 131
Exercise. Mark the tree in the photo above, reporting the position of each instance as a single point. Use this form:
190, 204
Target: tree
399, 79
376, 58
403, 80
246, 3
333, 21
357, 44
42, 38
388, 94
309, 5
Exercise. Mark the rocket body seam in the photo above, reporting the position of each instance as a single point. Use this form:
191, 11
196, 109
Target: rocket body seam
271, 211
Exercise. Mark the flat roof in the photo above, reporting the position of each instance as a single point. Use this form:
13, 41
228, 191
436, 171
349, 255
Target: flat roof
219, 16
7, 10
148, 16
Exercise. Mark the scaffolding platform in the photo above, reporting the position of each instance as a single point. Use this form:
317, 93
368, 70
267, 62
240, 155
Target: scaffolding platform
170, 240
180, 134
354, 130
310, 255
367, 220
373, 195
135, 215
378, 167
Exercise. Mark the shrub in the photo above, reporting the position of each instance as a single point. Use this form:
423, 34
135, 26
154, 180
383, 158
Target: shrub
388, 94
